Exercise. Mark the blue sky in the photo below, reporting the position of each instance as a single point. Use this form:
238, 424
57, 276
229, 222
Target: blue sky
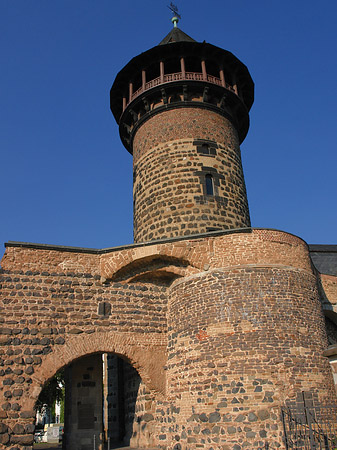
65, 177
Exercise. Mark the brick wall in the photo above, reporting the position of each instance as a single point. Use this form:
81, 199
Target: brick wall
241, 342
51, 317
222, 330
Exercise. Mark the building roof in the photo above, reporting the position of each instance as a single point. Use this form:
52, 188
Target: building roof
176, 35
324, 258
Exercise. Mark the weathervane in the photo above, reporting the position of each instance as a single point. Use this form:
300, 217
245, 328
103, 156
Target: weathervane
176, 15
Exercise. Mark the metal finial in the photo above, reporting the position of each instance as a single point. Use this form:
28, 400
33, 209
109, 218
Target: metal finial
176, 15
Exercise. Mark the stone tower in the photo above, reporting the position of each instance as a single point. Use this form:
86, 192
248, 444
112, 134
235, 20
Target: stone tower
182, 109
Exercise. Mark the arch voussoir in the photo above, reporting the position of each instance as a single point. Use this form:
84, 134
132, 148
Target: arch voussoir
147, 356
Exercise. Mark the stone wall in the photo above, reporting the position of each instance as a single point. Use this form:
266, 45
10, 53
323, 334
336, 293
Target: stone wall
84, 408
130, 406
112, 407
51, 316
242, 341
173, 152
140, 406
221, 328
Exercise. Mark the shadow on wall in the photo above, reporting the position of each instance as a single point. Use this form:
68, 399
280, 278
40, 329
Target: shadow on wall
105, 401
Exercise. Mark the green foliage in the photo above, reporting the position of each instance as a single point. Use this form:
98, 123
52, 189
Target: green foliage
62, 409
52, 391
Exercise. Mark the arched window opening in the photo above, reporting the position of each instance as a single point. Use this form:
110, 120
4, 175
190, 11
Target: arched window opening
209, 184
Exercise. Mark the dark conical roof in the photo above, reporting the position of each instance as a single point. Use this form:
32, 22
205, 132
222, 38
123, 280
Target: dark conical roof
176, 35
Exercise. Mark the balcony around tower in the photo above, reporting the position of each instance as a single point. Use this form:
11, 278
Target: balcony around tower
179, 76
185, 71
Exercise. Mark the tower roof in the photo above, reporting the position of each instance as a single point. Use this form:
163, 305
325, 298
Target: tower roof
176, 35
177, 63
188, 47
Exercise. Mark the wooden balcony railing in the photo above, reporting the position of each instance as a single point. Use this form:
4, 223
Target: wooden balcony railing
171, 77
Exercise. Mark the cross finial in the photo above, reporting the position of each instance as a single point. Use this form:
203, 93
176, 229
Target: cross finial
176, 15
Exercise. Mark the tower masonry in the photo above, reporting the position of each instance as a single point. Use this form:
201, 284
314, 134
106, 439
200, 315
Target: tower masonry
182, 109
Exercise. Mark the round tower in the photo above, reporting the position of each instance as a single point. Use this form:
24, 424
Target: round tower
182, 109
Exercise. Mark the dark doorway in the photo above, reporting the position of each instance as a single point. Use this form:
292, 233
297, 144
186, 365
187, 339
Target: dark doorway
121, 394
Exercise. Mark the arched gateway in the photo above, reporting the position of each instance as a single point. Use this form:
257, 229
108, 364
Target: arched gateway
222, 322
148, 359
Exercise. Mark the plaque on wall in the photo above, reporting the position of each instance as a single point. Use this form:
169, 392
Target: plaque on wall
86, 417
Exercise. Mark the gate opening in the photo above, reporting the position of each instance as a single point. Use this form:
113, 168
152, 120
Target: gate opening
105, 402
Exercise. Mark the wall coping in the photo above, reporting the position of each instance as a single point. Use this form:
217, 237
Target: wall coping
95, 251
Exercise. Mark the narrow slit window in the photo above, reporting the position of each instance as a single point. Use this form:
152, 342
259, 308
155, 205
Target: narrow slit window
209, 185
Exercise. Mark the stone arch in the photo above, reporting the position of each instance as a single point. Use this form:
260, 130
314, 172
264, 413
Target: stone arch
151, 265
147, 359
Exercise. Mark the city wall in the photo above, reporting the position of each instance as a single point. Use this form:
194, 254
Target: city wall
222, 328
